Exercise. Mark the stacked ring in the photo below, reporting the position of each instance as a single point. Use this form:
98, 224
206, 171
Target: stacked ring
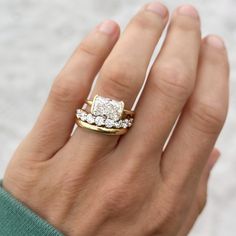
107, 116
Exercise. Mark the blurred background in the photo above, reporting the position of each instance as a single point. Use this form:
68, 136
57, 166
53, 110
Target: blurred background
36, 39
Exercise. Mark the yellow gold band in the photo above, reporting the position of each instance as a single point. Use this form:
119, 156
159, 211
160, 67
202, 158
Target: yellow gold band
103, 130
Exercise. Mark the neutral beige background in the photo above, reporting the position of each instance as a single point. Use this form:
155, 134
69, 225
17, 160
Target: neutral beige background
36, 38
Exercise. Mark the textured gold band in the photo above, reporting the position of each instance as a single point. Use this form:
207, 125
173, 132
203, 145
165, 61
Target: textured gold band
103, 130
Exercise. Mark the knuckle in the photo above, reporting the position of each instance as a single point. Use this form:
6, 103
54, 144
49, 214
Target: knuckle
166, 216
89, 49
173, 81
71, 182
207, 118
63, 91
170, 209
120, 79
116, 200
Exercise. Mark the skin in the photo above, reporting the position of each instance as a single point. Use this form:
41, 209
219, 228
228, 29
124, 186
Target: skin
85, 183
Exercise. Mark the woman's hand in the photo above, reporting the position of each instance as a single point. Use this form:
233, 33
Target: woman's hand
91, 184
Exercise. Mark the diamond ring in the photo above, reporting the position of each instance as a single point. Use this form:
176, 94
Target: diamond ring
107, 116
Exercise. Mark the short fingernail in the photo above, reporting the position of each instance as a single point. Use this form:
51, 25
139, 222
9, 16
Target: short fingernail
157, 8
108, 27
188, 10
215, 41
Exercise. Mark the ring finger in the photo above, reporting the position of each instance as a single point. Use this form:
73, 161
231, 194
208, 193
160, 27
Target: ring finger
124, 71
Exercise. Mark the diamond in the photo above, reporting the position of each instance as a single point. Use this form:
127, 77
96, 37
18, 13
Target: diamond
90, 119
79, 111
80, 114
131, 120
109, 123
99, 121
108, 108
83, 117
118, 124
125, 123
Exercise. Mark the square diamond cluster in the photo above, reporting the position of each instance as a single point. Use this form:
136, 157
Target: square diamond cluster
108, 108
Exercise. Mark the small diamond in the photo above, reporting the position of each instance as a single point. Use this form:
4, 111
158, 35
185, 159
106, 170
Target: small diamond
99, 121
80, 114
79, 111
118, 124
131, 120
109, 123
90, 119
83, 117
125, 123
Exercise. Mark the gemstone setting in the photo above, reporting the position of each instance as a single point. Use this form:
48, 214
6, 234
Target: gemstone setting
108, 108
90, 119
125, 123
109, 123
82, 115
99, 121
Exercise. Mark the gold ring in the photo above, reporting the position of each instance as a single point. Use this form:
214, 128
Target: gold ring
107, 116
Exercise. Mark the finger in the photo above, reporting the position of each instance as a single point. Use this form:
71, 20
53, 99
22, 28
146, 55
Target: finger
201, 120
69, 90
201, 196
170, 82
124, 71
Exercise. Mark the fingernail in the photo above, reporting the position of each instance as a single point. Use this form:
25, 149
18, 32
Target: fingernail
158, 8
215, 41
187, 10
108, 27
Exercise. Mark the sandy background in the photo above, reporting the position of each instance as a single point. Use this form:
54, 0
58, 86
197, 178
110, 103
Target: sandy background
36, 38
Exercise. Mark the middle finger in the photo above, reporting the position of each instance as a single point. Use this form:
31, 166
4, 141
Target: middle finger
170, 83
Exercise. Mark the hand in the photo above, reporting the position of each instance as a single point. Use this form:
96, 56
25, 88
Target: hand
91, 184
